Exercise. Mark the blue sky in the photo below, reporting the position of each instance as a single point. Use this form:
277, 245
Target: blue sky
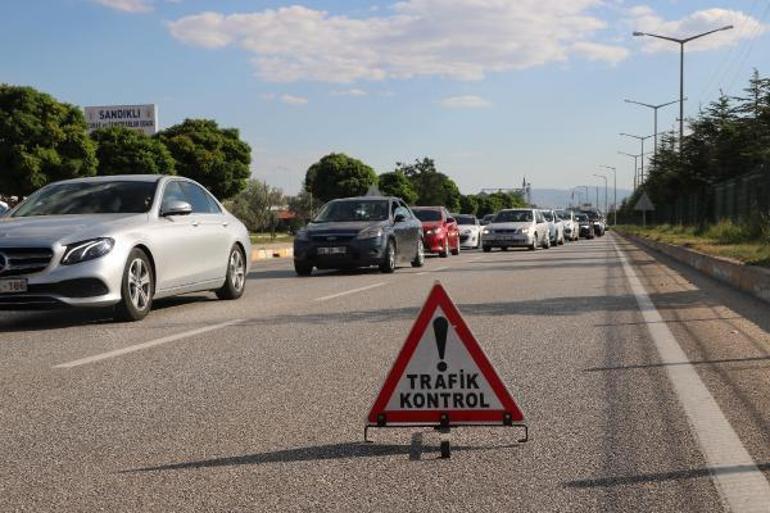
492, 89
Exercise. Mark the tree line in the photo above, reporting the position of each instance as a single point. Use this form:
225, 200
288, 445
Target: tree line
418, 183
730, 136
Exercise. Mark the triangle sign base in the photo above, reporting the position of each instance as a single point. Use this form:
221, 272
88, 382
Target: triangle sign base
442, 377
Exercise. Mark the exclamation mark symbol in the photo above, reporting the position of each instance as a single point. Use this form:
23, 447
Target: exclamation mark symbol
440, 327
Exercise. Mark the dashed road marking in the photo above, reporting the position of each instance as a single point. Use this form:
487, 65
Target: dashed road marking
352, 291
146, 345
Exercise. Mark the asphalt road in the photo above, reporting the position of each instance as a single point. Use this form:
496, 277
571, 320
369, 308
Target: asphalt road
259, 404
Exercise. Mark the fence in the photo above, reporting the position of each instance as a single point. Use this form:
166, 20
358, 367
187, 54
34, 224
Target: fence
738, 199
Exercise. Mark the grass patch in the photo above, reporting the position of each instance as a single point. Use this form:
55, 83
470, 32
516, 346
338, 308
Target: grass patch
748, 243
266, 238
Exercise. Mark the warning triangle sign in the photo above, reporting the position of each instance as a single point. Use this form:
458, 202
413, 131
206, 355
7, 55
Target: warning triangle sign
442, 376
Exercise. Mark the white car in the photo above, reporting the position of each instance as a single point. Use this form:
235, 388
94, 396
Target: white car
555, 227
515, 228
470, 230
571, 227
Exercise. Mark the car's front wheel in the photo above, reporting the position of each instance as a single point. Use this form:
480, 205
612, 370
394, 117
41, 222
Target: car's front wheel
487, 249
445, 251
388, 264
419, 257
235, 282
303, 268
137, 289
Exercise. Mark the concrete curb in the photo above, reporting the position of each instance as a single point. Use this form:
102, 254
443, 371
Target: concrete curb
748, 278
270, 253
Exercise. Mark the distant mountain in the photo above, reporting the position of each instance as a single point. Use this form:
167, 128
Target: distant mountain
558, 198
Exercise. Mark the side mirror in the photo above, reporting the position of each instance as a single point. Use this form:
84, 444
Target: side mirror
400, 218
176, 208
451, 220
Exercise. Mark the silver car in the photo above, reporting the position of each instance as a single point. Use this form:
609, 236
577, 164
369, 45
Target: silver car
120, 241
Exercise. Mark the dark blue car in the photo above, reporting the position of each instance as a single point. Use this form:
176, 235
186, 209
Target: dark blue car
360, 232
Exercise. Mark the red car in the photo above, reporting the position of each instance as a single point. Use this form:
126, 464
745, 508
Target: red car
439, 230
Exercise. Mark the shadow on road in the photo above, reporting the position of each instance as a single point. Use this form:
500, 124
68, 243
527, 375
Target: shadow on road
16, 321
661, 365
659, 477
559, 306
345, 450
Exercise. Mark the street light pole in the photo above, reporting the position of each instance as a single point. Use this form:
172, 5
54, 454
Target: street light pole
681, 43
655, 117
641, 139
604, 177
614, 189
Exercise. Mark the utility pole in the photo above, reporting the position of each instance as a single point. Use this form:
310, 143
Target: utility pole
655, 118
615, 191
681, 43
640, 139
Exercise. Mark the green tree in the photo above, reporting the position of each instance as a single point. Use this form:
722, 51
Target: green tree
397, 184
302, 205
123, 151
254, 205
469, 204
41, 141
215, 157
432, 187
338, 176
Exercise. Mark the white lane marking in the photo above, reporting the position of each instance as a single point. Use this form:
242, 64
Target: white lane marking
440, 269
745, 491
421, 273
352, 291
146, 345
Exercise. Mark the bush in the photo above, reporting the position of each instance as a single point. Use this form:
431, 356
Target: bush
728, 232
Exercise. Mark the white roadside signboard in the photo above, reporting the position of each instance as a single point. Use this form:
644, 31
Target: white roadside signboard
136, 117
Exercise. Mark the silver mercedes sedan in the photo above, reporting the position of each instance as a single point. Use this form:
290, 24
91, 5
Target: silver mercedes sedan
120, 241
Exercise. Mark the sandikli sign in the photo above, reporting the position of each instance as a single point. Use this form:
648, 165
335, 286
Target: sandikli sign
136, 117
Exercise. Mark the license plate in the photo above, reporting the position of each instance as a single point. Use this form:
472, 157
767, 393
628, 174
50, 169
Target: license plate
13, 286
508, 237
337, 250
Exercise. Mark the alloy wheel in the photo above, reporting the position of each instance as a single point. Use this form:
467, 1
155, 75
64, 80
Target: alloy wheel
237, 270
139, 284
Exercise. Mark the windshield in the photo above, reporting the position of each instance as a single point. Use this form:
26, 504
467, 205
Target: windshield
428, 215
581, 217
340, 211
562, 214
548, 216
72, 198
466, 220
593, 216
514, 216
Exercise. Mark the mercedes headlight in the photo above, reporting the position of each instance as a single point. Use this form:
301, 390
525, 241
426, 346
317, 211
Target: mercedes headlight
373, 232
87, 250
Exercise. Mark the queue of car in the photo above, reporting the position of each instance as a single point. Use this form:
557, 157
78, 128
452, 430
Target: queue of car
123, 241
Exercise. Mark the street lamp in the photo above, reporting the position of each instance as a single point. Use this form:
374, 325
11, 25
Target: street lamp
604, 177
681, 43
614, 188
655, 124
640, 139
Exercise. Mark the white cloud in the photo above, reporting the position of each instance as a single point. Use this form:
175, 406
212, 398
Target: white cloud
127, 5
465, 102
349, 92
459, 39
293, 100
600, 52
645, 19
